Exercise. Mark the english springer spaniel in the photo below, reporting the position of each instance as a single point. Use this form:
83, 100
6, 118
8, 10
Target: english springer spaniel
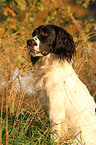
65, 98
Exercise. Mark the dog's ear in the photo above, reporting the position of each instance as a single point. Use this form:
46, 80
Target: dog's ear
65, 46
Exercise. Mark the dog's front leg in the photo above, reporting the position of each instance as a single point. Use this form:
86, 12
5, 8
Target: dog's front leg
57, 111
59, 127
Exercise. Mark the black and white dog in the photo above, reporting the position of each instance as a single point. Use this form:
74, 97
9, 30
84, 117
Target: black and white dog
68, 102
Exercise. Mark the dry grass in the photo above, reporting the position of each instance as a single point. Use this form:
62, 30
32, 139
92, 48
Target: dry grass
23, 120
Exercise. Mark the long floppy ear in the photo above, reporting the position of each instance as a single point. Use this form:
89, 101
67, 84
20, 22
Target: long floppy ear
65, 46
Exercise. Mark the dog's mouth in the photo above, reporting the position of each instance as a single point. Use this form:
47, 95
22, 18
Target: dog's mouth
33, 52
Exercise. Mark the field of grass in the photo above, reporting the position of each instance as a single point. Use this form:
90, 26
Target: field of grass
22, 119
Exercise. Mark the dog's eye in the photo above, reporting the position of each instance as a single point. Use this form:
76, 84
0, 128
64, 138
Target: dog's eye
44, 34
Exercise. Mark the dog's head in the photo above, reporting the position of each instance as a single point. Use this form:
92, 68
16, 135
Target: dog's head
51, 39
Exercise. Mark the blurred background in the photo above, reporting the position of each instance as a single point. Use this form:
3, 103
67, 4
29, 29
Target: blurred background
23, 121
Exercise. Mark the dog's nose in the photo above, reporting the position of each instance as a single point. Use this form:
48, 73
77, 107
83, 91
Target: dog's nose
31, 42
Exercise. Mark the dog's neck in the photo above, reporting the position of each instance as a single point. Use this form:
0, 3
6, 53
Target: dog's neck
48, 63
50, 60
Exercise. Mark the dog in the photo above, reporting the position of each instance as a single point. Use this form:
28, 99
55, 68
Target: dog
65, 98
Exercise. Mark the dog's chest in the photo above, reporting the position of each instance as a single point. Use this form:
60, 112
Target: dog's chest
59, 74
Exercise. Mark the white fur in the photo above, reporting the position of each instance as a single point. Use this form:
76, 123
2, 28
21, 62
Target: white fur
36, 48
70, 104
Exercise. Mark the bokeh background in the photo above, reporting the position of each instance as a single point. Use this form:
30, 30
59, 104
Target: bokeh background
22, 119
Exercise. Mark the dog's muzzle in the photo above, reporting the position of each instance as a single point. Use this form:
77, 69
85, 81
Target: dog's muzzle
33, 45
